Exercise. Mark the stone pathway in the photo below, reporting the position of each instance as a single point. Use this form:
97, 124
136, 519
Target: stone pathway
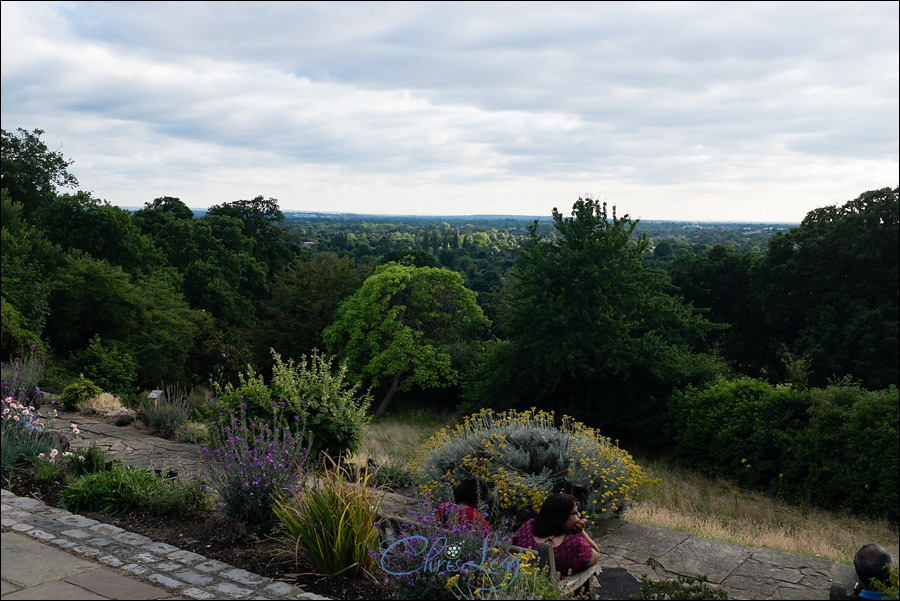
186, 574
743, 572
131, 446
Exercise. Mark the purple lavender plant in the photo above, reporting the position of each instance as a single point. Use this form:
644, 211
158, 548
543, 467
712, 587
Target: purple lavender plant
416, 551
19, 378
249, 460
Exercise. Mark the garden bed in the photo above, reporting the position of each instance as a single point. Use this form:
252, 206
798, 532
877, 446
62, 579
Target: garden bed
202, 532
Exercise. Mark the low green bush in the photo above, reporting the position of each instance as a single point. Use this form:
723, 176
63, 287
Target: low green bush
89, 460
108, 366
334, 409
78, 391
739, 429
836, 448
126, 489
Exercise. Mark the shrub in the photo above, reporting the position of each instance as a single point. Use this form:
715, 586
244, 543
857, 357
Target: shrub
168, 413
849, 455
738, 429
19, 379
89, 460
247, 461
25, 436
527, 457
251, 392
109, 367
193, 432
836, 448
330, 521
126, 489
78, 391
334, 409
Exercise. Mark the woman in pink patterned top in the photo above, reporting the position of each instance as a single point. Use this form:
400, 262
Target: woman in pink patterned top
559, 524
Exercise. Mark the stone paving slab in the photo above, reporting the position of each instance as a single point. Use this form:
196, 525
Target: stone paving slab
142, 568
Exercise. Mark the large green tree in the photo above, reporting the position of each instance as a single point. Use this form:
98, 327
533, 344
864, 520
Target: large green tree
30, 171
403, 327
305, 297
27, 258
721, 281
830, 290
147, 319
591, 330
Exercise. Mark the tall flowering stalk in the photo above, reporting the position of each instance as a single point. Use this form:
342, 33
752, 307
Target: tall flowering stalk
19, 379
247, 461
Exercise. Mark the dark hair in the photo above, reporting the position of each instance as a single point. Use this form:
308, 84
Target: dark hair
472, 492
872, 563
553, 515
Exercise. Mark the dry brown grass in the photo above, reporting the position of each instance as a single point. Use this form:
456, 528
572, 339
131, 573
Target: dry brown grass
395, 438
103, 404
715, 508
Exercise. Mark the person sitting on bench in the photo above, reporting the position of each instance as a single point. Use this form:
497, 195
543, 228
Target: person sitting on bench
560, 525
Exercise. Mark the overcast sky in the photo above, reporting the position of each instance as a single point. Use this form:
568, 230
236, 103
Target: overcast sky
685, 111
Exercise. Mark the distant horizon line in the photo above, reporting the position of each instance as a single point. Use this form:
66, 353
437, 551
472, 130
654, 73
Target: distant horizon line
483, 216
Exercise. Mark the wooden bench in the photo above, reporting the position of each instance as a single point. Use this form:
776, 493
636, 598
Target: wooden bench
588, 577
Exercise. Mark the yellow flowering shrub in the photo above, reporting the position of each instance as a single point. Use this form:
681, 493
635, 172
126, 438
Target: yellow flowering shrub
525, 456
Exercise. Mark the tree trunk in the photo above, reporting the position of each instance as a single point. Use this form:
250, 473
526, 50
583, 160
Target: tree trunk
395, 386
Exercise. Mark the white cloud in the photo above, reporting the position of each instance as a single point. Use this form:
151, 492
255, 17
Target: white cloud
759, 111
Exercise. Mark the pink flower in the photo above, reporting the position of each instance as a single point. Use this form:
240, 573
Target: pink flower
16, 417
54, 453
75, 429
41, 456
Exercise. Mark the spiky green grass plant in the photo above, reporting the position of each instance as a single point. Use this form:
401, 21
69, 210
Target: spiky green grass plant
328, 523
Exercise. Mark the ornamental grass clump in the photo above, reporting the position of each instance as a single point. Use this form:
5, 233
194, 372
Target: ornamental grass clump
527, 457
167, 414
249, 460
328, 523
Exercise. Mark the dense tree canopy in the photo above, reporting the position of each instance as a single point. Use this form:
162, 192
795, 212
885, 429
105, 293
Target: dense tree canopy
721, 280
403, 326
30, 171
830, 290
591, 330
304, 299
